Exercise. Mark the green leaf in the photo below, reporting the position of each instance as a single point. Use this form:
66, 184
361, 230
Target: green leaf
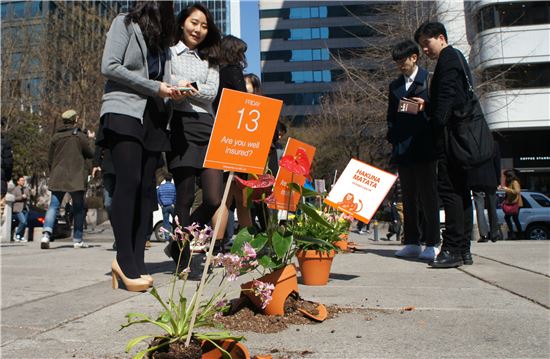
241, 238
310, 210
281, 244
294, 187
267, 262
133, 342
259, 241
306, 192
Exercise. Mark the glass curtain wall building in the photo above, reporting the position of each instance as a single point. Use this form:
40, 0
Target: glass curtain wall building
297, 39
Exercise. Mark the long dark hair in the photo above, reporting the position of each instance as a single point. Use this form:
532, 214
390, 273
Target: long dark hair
256, 83
209, 48
156, 21
510, 176
232, 51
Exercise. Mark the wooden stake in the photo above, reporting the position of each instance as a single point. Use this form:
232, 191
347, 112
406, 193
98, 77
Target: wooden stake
209, 258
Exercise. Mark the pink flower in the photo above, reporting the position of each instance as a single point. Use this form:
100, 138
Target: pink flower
264, 291
249, 251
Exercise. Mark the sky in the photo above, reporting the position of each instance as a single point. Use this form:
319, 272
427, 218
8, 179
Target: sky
250, 33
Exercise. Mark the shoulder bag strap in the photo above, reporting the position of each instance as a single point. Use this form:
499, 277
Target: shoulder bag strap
470, 87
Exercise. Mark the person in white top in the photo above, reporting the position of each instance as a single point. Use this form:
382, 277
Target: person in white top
195, 72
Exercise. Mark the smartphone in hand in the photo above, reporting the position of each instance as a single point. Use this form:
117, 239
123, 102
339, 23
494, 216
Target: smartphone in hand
188, 88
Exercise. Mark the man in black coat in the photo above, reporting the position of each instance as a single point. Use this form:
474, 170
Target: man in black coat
414, 154
448, 89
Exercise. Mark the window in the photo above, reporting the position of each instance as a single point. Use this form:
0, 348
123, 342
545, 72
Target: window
526, 203
4, 8
36, 8
513, 14
15, 61
543, 201
518, 76
18, 9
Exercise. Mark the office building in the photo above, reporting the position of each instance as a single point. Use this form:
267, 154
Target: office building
297, 40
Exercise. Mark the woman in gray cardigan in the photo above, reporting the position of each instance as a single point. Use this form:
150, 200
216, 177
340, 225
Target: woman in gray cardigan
134, 117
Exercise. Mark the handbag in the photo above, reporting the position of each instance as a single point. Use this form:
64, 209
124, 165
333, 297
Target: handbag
511, 209
469, 138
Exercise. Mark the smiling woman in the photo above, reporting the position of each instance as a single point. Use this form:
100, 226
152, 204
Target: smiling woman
195, 59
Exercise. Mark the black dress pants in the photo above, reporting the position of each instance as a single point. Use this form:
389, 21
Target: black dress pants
457, 204
419, 190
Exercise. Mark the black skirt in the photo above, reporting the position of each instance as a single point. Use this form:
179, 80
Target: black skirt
152, 134
189, 136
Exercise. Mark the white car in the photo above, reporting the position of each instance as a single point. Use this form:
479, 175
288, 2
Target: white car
534, 216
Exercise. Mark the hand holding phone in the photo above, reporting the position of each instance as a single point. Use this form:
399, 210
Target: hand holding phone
192, 86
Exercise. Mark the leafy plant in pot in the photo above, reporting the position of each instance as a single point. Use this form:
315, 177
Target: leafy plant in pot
175, 318
276, 245
316, 233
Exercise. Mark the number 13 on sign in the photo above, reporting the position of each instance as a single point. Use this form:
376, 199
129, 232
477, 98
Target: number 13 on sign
254, 117
242, 133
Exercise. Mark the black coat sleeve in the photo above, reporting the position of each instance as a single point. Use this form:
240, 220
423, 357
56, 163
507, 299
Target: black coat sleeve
390, 115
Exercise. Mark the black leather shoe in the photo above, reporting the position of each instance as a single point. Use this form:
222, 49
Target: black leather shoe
483, 239
447, 259
467, 259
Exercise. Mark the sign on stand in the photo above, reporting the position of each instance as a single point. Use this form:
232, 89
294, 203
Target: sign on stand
360, 190
243, 132
240, 141
285, 199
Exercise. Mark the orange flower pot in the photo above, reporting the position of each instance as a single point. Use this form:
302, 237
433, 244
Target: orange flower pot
341, 244
285, 281
315, 266
236, 349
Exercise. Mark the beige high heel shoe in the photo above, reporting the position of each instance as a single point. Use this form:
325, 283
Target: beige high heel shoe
148, 278
132, 285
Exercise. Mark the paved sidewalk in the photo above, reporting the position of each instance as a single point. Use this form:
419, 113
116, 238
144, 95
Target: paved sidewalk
58, 303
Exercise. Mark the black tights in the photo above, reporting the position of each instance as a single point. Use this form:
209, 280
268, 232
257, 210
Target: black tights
212, 193
515, 217
132, 202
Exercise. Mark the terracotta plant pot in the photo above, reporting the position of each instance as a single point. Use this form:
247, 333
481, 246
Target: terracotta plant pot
341, 244
236, 349
285, 281
315, 266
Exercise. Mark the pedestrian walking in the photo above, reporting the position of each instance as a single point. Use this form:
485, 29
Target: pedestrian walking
512, 204
166, 196
449, 88
69, 149
102, 163
20, 207
134, 118
483, 180
195, 61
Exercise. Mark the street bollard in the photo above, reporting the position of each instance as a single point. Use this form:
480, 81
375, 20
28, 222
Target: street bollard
375, 229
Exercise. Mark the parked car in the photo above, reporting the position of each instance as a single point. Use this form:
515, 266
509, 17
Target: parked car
534, 216
36, 218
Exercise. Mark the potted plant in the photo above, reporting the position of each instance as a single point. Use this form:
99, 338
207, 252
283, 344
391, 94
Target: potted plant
175, 318
316, 232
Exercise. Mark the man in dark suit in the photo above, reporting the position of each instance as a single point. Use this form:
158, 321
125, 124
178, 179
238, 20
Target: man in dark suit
448, 88
414, 154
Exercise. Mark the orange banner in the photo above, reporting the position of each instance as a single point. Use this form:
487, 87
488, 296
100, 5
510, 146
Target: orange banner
285, 176
243, 132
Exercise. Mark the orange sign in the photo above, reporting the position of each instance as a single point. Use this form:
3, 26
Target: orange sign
243, 132
285, 176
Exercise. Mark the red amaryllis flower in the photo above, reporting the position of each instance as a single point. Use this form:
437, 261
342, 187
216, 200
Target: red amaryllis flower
297, 164
263, 181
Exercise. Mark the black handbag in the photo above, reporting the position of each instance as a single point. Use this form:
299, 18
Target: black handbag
469, 139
